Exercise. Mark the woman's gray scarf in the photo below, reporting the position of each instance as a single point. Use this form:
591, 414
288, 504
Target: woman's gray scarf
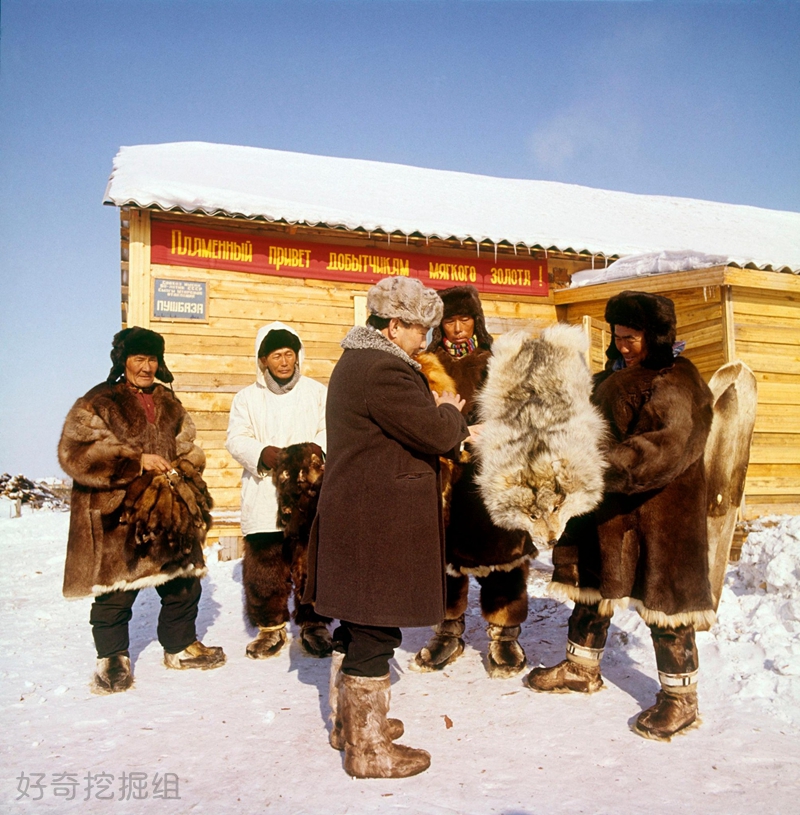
363, 337
276, 386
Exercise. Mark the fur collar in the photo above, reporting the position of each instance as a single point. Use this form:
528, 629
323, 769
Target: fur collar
363, 337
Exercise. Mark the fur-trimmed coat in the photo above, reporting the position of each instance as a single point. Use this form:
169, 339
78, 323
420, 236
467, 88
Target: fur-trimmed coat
104, 436
646, 544
474, 544
376, 552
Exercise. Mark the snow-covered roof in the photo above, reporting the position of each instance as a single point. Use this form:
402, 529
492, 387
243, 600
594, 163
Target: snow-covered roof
253, 182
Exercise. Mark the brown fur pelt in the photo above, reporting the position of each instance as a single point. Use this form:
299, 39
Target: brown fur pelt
441, 382
297, 476
540, 456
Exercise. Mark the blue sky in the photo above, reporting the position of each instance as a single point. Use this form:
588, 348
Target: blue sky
688, 99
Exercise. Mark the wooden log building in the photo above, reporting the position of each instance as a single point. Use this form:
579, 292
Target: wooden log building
217, 241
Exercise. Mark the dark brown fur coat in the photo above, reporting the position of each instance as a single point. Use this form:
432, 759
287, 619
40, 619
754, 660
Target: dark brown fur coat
646, 544
104, 436
474, 545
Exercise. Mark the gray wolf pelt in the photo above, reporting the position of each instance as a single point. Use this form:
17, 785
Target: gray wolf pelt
540, 453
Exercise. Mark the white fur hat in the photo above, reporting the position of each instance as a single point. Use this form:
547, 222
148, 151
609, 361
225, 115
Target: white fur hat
406, 299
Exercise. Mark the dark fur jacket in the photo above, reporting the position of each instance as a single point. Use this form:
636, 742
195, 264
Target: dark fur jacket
646, 544
474, 545
104, 436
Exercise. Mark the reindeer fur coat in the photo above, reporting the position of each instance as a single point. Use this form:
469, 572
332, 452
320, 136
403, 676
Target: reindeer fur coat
104, 436
646, 544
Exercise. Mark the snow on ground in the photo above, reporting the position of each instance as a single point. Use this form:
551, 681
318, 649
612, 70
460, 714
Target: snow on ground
251, 736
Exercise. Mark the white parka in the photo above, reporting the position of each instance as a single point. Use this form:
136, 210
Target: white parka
260, 418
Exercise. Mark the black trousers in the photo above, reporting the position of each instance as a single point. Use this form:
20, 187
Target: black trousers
367, 648
112, 612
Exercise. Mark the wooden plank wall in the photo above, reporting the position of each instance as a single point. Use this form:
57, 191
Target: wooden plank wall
212, 361
766, 331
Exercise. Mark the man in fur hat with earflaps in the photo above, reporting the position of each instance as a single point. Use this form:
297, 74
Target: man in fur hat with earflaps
139, 511
646, 544
498, 558
376, 554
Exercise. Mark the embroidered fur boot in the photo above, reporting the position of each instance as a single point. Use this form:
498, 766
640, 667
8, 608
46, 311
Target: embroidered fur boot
196, 655
505, 657
445, 646
268, 643
368, 750
316, 639
396, 727
112, 674
676, 703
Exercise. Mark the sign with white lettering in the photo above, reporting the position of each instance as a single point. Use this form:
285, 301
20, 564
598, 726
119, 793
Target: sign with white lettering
180, 245
180, 300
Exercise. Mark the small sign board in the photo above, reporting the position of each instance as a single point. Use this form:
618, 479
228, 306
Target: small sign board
180, 300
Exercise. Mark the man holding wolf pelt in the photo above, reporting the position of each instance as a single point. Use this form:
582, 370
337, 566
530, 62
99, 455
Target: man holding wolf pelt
498, 558
646, 544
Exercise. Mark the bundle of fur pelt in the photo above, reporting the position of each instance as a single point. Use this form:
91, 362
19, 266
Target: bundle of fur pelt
297, 476
168, 509
441, 382
540, 451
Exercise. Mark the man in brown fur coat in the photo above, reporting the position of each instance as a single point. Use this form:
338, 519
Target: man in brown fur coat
646, 544
498, 558
139, 509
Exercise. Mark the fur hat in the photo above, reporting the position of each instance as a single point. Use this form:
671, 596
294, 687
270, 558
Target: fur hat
406, 299
651, 313
136, 340
279, 338
462, 300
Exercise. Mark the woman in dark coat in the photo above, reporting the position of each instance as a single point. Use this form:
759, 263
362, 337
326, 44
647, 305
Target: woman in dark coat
646, 544
376, 554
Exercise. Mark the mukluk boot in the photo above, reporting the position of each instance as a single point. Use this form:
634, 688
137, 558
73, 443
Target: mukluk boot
445, 646
396, 727
112, 674
268, 643
505, 657
578, 673
676, 703
369, 751
196, 655
315, 639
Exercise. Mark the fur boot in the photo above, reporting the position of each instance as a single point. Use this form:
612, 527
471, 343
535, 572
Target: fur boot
505, 657
316, 639
445, 646
196, 655
368, 749
566, 677
396, 727
112, 674
268, 643
676, 704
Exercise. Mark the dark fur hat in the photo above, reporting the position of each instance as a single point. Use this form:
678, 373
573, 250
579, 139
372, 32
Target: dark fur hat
651, 313
462, 300
279, 338
136, 340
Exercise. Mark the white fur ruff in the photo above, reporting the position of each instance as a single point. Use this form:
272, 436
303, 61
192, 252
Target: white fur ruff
540, 451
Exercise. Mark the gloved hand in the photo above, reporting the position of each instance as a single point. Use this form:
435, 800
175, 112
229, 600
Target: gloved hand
269, 457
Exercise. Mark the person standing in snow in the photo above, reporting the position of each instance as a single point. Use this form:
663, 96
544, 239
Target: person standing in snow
281, 408
139, 509
646, 544
498, 558
376, 554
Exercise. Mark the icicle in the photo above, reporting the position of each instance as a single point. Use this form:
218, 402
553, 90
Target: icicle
592, 261
426, 240
495, 253
478, 246
515, 250
388, 237
406, 240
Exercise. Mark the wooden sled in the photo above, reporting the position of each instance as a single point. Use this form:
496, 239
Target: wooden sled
727, 455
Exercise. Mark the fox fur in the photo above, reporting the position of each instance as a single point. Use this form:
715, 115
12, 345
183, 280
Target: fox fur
540, 452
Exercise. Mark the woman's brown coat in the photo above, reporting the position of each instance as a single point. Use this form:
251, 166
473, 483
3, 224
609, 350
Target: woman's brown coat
104, 436
376, 554
646, 544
